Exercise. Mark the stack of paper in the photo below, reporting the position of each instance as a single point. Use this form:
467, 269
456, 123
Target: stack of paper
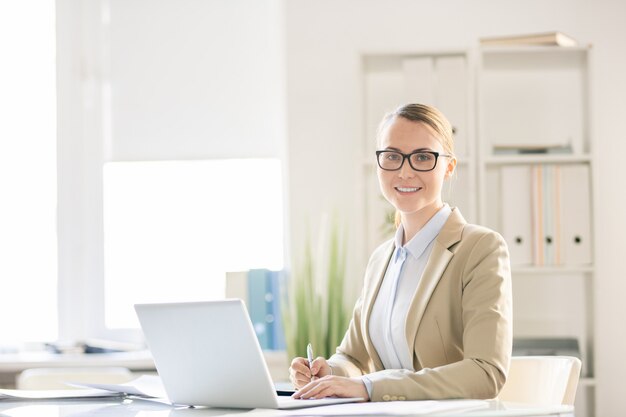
147, 386
14, 394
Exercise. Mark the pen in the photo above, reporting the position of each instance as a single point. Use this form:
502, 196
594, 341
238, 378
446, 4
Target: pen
309, 356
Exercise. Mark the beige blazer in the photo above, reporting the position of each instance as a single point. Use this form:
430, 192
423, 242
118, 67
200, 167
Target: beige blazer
459, 324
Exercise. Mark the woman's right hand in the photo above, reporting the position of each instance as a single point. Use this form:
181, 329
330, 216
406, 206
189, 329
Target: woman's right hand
300, 374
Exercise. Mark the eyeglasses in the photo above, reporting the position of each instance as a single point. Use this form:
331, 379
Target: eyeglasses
418, 160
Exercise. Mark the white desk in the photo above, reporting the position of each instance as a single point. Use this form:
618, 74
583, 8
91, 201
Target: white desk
17, 362
129, 408
14, 363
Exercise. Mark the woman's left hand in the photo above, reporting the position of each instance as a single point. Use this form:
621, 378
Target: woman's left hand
333, 386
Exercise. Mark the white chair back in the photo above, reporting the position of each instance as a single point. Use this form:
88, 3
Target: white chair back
542, 380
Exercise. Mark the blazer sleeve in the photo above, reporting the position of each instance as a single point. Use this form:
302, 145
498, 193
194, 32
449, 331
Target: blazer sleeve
348, 361
352, 358
487, 336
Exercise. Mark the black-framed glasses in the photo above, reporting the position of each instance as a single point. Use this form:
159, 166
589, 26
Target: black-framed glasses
419, 160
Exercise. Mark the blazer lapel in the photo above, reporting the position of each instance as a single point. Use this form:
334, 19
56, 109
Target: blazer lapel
378, 272
436, 265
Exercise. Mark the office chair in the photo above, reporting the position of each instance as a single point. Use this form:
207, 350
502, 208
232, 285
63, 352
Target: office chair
542, 380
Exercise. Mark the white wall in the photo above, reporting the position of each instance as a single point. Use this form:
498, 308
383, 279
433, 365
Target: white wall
324, 41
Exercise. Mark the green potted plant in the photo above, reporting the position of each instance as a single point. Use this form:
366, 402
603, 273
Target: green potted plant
315, 310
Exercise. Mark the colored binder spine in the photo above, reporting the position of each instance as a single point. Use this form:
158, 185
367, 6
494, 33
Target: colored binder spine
257, 289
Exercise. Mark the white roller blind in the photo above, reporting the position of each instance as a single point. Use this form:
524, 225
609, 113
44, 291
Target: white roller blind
201, 79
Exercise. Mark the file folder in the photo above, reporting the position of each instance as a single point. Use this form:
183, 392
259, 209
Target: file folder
551, 215
419, 77
451, 97
575, 209
538, 233
517, 213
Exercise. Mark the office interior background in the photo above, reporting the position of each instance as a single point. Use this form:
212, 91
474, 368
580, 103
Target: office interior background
148, 146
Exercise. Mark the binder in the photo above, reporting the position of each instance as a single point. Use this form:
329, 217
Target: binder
517, 221
551, 215
537, 196
575, 212
419, 78
451, 97
558, 218
561, 214
262, 289
278, 334
385, 87
257, 306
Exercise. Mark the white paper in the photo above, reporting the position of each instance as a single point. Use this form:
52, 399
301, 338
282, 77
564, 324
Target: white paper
145, 386
20, 394
508, 409
392, 408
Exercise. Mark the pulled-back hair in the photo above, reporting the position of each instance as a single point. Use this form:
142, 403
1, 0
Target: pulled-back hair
428, 115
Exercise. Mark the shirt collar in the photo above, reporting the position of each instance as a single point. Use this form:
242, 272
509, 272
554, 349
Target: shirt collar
426, 235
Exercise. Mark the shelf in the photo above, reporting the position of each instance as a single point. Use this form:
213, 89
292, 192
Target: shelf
541, 270
371, 163
537, 159
520, 49
410, 53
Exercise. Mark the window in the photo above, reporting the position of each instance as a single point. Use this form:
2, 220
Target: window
172, 229
28, 266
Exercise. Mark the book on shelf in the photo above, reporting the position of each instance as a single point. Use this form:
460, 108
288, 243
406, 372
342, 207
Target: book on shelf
541, 39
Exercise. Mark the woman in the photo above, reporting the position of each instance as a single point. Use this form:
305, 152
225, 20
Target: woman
434, 318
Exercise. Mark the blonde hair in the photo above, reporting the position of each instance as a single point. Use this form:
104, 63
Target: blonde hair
421, 113
428, 115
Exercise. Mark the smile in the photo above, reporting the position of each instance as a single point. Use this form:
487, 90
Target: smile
408, 189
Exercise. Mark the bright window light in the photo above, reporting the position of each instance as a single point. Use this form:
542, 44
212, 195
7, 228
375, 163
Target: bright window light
173, 229
28, 248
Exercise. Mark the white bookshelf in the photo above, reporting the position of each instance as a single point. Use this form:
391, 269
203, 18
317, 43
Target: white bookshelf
501, 98
534, 96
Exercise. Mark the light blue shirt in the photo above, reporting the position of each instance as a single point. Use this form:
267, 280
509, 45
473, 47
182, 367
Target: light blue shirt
387, 325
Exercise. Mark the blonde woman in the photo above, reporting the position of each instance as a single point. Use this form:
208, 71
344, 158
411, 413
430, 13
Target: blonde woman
434, 318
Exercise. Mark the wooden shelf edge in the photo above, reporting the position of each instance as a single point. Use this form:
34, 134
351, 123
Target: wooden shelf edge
371, 163
552, 269
513, 49
537, 159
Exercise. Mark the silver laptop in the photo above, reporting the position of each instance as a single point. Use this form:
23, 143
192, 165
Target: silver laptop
207, 354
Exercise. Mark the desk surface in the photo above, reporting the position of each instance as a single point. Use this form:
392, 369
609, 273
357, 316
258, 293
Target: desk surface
128, 408
17, 362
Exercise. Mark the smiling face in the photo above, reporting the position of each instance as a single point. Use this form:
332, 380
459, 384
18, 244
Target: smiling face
415, 195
